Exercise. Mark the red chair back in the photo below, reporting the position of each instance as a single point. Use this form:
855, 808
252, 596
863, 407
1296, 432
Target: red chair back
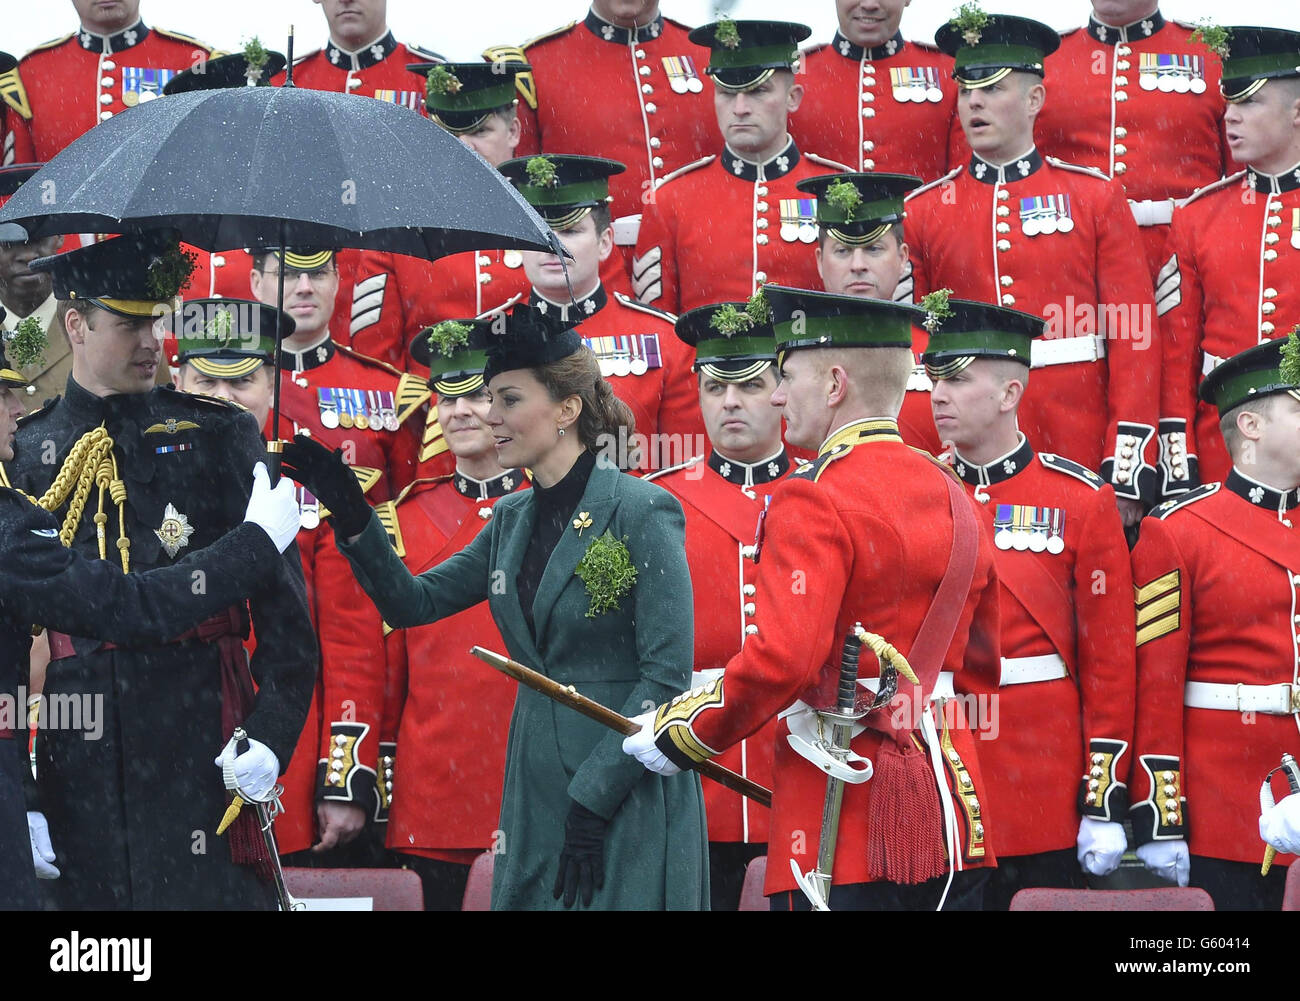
388, 889
751, 891
478, 890
1161, 898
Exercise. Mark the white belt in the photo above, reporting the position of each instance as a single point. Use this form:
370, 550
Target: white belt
699, 678
1023, 670
942, 686
1064, 350
626, 229
1210, 363
1149, 213
1276, 700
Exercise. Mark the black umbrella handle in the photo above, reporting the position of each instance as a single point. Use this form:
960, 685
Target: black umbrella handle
288, 66
274, 448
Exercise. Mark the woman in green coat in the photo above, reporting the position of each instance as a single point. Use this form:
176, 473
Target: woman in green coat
587, 580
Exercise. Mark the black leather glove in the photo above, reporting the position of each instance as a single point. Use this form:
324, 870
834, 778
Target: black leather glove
582, 860
327, 476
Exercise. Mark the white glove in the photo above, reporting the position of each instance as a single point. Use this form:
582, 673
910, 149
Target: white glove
1167, 859
252, 774
1101, 845
42, 851
1279, 825
275, 511
642, 747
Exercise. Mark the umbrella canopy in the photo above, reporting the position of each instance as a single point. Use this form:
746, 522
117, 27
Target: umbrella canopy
266, 166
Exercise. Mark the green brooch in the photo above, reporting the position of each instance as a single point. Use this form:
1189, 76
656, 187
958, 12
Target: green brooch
541, 173
28, 344
970, 21
606, 570
845, 197
1213, 36
255, 59
936, 308
443, 81
726, 34
448, 337
1290, 367
169, 273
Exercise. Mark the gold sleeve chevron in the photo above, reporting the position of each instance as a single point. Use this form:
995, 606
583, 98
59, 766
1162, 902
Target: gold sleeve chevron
412, 392
434, 441
387, 514
14, 94
673, 720
1158, 607
524, 82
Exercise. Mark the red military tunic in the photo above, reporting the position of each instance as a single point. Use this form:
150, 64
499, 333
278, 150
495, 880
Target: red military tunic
647, 365
722, 500
971, 233
891, 109
322, 390
916, 417
635, 96
862, 535
451, 741
77, 81
722, 226
1141, 104
1231, 280
1067, 682
15, 112
343, 723
1218, 582
377, 70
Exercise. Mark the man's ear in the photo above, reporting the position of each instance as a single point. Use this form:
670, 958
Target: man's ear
794, 99
74, 324
839, 385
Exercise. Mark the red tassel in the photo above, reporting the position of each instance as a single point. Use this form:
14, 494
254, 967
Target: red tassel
247, 846
905, 842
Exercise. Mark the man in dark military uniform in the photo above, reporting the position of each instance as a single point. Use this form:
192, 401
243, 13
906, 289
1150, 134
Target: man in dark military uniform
148, 475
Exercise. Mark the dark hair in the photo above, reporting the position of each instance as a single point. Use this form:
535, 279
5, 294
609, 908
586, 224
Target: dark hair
64, 306
603, 413
600, 215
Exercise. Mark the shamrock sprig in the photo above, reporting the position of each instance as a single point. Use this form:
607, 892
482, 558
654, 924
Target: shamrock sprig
726, 33
443, 81
845, 197
1290, 367
541, 173
28, 343
169, 272
936, 308
607, 571
970, 21
449, 336
255, 59
1213, 36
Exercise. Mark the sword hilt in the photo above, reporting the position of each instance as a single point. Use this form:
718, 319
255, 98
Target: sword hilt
1291, 770
848, 689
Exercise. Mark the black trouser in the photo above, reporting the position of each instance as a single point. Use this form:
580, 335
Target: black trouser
967, 894
727, 863
443, 882
1238, 886
1059, 870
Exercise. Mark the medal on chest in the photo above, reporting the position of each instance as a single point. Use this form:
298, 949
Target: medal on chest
1025, 528
174, 532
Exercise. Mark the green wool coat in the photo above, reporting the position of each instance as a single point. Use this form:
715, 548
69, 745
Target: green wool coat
631, 659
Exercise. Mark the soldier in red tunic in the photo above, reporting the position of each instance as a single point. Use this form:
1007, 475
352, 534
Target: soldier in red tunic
1231, 276
114, 62
1135, 97
723, 494
15, 111
877, 102
1065, 695
645, 363
446, 784
1047, 238
362, 57
865, 534
861, 252
722, 226
1217, 577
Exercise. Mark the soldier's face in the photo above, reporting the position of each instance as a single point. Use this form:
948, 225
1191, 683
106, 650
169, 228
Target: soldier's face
113, 354
1262, 129
1121, 12
253, 391
1277, 451
11, 408
106, 17
308, 295
16, 281
968, 404
741, 422
802, 396
355, 22
869, 23
753, 122
871, 271
589, 250
494, 140
524, 420
464, 421
999, 119
627, 13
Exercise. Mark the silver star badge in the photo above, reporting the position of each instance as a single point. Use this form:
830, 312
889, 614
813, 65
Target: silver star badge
175, 532
1008, 467
1257, 494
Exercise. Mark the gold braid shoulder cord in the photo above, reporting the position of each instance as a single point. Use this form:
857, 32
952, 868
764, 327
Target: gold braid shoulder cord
91, 462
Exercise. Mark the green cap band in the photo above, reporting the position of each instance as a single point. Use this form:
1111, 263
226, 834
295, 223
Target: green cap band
566, 194
753, 57
847, 331
991, 56
866, 212
1274, 65
482, 99
980, 342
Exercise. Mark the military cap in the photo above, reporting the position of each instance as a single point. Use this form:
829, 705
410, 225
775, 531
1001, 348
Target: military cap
526, 338
305, 259
805, 319
1251, 56
11, 179
562, 188
455, 353
138, 274
227, 338
962, 330
858, 208
8, 377
224, 72
1271, 367
733, 341
460, 96
746, 53
986, 47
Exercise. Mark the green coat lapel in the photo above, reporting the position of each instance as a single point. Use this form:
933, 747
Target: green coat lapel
510, 555
599, 500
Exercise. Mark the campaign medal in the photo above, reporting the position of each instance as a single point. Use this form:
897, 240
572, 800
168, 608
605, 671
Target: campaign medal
1046, 215
1020, 530
639, 364
901, 83
1147, 70
346, 417
807, 220
693, 82
933, 92
512, 259
308, 509
1197, 83
1056, 534
1064, 221
622, 359
1029, 217
1295, 228
175, 531
676, 77
388, 408
789, 219
357, 405
329, 414
141, 85
1002, 526
1039, 526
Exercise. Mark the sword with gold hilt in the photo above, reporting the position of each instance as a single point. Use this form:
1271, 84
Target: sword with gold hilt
265, 818
1292, 771
833, 754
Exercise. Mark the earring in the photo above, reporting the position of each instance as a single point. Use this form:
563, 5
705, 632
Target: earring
561, 432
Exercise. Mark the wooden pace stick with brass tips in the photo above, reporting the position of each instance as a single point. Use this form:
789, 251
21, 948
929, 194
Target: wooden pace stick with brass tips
569, 696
